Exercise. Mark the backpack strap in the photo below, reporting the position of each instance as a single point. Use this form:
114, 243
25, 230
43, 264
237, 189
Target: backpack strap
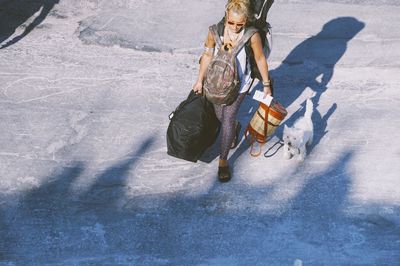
214, 31
246, 36
221, 27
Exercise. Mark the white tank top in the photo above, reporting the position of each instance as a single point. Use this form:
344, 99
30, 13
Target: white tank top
244, 74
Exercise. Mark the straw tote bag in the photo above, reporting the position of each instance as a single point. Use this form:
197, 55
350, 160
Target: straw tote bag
263, 124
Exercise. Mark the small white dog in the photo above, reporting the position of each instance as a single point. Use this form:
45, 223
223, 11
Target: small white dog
301, 134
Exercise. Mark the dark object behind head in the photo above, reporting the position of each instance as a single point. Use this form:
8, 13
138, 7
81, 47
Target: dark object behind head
260, 8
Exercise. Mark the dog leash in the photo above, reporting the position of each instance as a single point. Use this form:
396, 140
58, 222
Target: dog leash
266, 155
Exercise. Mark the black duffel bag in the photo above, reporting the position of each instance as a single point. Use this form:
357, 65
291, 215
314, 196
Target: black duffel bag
192, 129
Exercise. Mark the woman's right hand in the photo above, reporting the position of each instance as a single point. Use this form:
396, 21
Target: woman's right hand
198, 87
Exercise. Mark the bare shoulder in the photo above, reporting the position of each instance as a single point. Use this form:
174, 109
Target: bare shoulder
210, 42
255, 38
256, 44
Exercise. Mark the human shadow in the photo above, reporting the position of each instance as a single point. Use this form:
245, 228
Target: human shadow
14, 13
309, 65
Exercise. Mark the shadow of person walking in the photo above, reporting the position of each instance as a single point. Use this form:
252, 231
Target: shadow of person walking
24, 14
311, 64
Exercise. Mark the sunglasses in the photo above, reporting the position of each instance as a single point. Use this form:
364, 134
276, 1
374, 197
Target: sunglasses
236, 24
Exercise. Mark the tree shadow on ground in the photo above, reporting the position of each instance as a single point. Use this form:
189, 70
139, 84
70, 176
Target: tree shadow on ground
51, 223
230, 224
234, 226
6, 239
309, 65
14, 13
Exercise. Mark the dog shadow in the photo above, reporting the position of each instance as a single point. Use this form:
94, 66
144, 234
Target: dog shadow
13, 14
309, 65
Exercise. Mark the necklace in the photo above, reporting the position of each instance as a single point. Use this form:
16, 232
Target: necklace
236, 35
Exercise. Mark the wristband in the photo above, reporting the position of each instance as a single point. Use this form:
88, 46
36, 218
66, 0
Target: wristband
266, 84
209, 50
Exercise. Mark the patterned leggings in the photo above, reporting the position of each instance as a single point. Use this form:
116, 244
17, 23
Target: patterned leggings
227, 116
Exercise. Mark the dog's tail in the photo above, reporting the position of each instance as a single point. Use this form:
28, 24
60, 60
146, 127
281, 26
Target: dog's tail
309, 109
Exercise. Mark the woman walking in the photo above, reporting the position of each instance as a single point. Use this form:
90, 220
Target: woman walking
237, 18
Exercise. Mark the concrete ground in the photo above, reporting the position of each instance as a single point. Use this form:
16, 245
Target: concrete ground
86, 88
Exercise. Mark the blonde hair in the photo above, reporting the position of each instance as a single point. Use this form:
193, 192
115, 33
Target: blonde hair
241, 7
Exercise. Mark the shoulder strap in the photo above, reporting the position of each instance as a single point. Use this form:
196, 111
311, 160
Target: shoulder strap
214, 31
246, 36
221, 26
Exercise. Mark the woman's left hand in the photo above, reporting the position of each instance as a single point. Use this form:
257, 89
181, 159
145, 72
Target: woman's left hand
267, 91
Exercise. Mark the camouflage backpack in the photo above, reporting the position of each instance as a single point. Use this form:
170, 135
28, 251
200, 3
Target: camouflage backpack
222, 83
260, 9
